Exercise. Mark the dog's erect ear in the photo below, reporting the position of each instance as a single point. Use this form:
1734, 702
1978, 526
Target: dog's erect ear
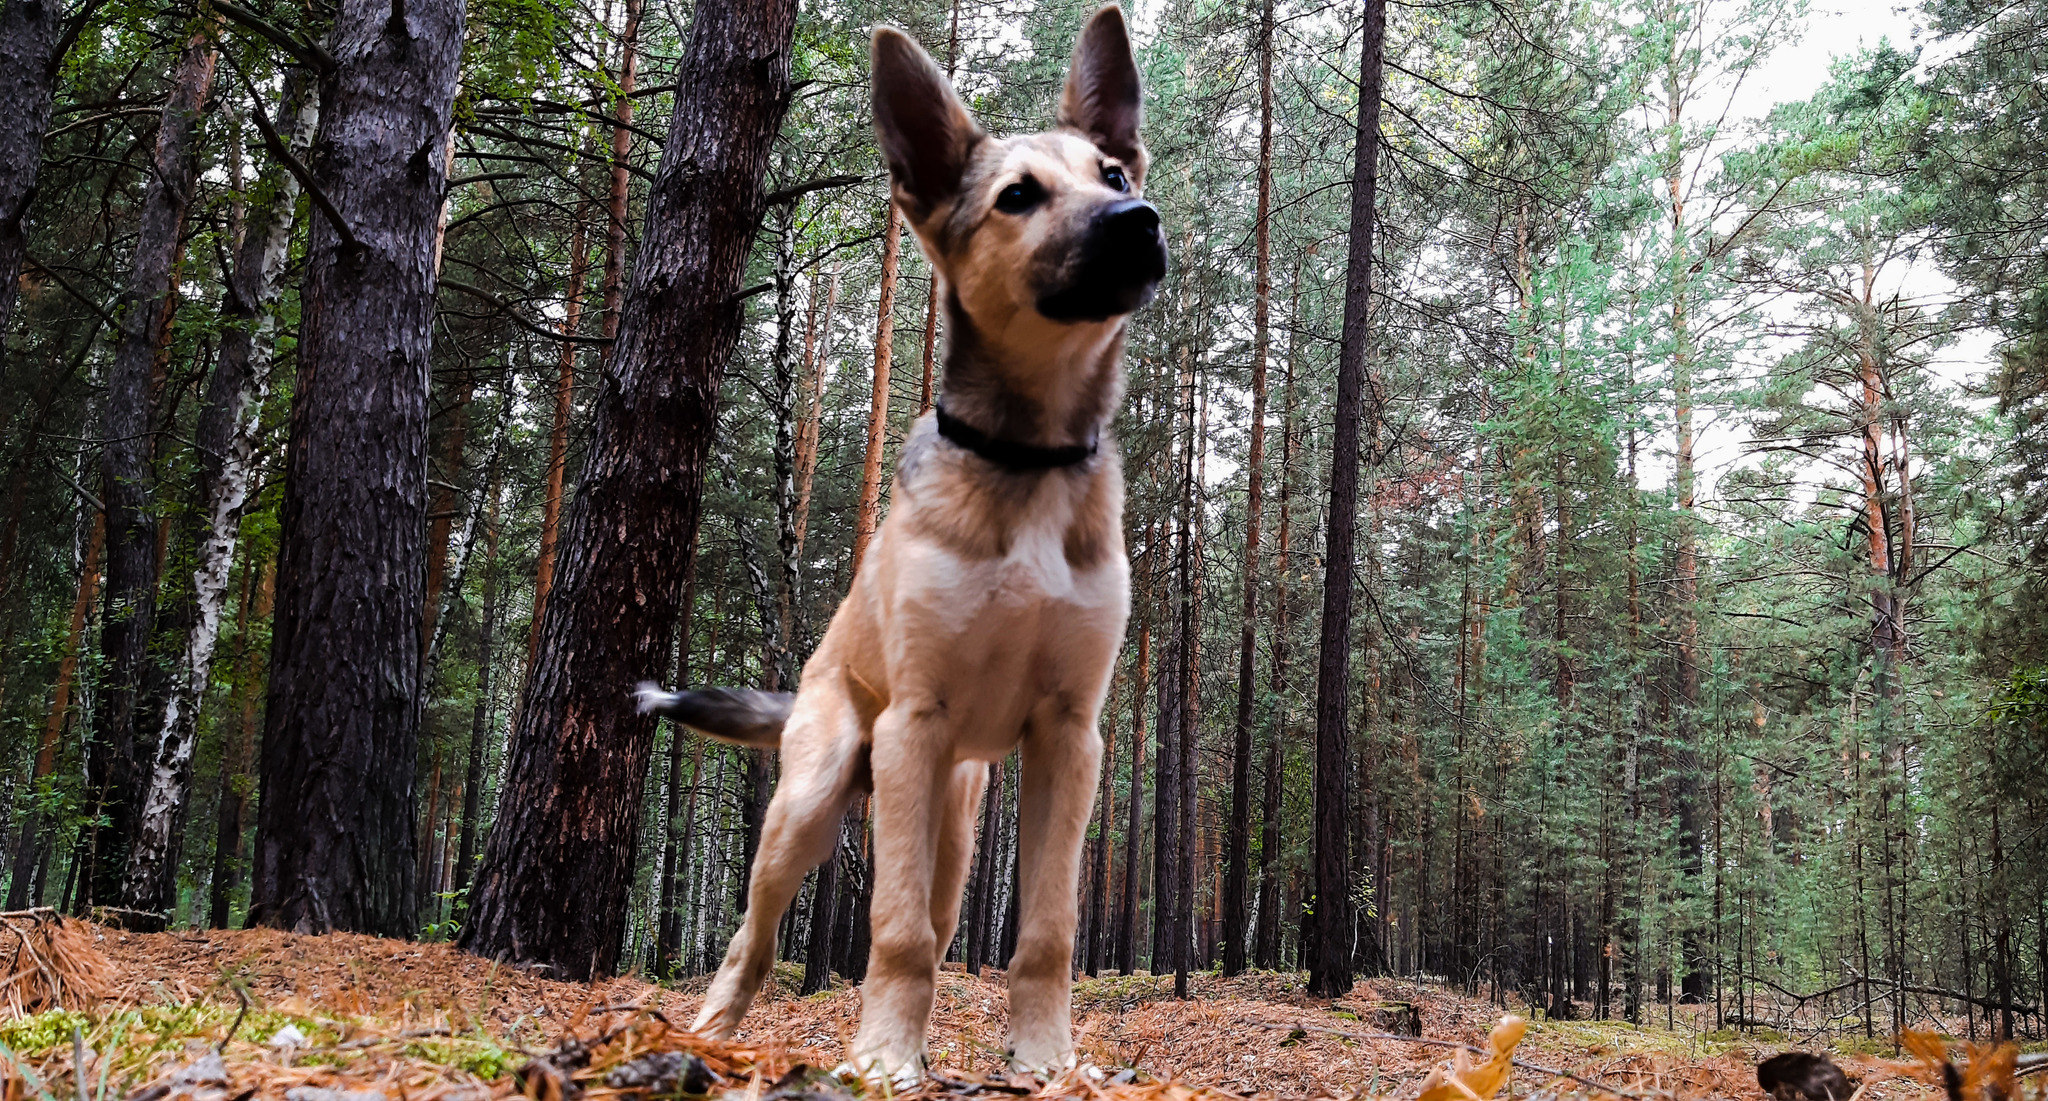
925, 134
1103, 98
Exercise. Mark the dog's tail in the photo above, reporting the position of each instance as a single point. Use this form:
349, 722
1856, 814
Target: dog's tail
741, 716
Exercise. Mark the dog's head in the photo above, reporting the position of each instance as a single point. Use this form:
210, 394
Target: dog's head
1046, 229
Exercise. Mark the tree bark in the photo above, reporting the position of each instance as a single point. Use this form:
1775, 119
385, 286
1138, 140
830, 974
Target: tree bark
878, 415
336, 827
1331, 974
613, 292
1236, 881
569, 814
115, 776
31, 32
225, 450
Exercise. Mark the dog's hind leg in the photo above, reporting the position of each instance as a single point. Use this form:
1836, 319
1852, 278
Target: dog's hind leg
1056, 793
955, 848
820, 751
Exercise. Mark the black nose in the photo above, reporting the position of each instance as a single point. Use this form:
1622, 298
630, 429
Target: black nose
1128, 232
1116, 265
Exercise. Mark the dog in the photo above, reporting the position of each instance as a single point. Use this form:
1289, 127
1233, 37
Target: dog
991, 606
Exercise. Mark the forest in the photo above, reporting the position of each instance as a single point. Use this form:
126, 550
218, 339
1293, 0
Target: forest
1588, 525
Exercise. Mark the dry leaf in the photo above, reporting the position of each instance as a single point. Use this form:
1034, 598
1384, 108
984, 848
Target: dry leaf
1463, 1081
1930, 1049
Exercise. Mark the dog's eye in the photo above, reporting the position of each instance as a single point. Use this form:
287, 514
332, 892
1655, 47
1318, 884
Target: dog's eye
1113, 175
1020, 196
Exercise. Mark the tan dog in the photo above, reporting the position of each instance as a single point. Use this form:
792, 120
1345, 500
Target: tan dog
991, 605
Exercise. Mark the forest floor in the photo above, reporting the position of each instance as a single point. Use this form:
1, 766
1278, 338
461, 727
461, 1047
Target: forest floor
356, 1018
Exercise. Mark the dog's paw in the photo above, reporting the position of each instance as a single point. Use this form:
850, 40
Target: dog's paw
871, 1072
649, 696
1046, 1067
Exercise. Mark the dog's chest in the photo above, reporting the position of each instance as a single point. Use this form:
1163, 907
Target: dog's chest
1009, 617
1032, 575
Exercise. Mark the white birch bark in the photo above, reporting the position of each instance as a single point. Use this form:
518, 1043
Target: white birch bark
226, 479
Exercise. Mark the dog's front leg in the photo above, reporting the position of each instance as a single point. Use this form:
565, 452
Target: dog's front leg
913, 771
1061, 755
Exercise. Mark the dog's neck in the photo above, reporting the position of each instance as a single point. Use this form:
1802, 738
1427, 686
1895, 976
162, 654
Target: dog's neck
1036, 383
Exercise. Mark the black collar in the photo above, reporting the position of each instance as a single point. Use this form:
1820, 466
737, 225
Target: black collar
1010, 453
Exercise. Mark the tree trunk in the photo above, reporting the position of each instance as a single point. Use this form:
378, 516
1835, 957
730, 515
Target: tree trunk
811, 401
1685, 543
238, 753
1236, 881
1166, 804
878, 415
1331, 975
1098, 873
622, 146
931, 290
818, 954
613, 292
1194, 466
336, 827
668, 925
225, 450
480, 717
443, 491
31, 32
569, 815
1134, 804
558, 431
29, 847
115, 778
981, 900
1266, 953
788, 594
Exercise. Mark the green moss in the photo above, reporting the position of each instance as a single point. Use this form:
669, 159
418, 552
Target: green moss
483, 1058
42, 1032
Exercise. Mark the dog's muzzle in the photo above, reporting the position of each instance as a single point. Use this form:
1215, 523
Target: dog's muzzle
1121, 260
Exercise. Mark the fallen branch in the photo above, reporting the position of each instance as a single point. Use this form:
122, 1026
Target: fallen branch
1937, 992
